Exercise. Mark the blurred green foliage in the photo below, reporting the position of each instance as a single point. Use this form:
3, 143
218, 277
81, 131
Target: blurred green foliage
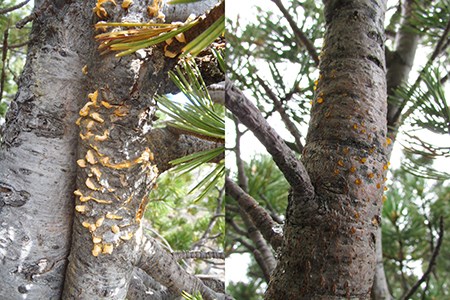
16, 56
180, 220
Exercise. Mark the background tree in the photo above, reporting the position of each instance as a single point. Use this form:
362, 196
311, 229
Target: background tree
283, 41
111, 156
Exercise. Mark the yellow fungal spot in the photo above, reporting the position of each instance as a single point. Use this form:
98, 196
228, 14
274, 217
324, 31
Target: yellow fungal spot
126, 237
346, 150
101, 201
115, 229
384, 198
77, 193
96, 239
353, 230
86, 136
340, 163
384, 179
80, 208
107, 248
169, 41
85, 110
336, 171
363, 131
99, 222
375, 222
153, 10
126, 3
169, 54
102, 137
378, 185
310, 102
90, 125
355, 126
92, 227
85, 198
352, 169
96, 117
96, 250
385, 167
385, 188
90, 157
78, 121
99, 10
113, 216
356, 215
104, 160
372, 150
363, 160
180, 37
81, 163
121, 111
388, 141
84, 70
371, 175
358, 181
320, 100
96, 172
90, 184
86, 224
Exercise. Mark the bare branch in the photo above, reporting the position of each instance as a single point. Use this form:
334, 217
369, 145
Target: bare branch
284, 116
298, 33
36, 13
162, 266
198, 255
14, 7
431, 264
217, 214
293, 170
258, 215
236, 227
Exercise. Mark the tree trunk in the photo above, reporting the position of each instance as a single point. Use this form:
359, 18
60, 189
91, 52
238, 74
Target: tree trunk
38, 153
329, 241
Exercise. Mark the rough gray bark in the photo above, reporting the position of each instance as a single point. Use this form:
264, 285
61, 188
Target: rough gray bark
38, 158
329, 241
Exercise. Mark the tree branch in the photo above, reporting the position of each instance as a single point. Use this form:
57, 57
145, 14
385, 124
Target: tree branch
293, 170
198, 255
14, 7
262, 220
399, 68
284, 116
168, 145
163, 267
299, 35
431, 264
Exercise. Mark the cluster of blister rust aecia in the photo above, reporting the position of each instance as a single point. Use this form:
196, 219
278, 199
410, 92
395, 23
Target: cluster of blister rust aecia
354, 164
108, 227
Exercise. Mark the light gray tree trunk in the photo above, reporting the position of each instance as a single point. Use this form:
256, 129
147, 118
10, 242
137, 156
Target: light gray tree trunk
37, 156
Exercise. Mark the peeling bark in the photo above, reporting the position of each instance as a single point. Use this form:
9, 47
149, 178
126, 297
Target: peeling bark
329, 241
